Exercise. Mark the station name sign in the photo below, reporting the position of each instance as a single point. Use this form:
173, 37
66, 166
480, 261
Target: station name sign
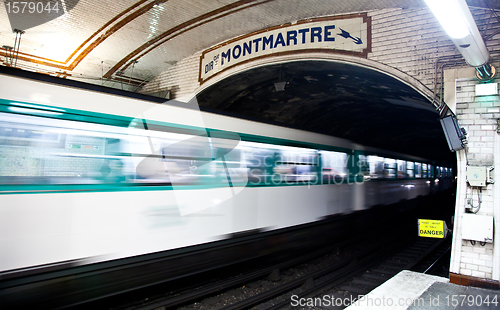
346, 34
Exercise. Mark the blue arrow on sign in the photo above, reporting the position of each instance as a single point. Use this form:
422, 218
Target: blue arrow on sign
347, 35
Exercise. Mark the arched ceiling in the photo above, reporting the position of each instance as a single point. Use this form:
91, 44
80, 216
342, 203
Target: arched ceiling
337, 99
132, 41
135, 40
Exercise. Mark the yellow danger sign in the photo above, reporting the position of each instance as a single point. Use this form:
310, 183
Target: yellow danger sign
432, 228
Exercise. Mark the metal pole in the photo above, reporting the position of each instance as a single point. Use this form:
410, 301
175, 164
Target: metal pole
13, 51
18, 43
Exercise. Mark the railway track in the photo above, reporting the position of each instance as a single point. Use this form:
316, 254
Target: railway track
343, 276
189, 295
345, 268
351, 278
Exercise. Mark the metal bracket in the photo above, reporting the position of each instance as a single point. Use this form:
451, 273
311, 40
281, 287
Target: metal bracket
486, 72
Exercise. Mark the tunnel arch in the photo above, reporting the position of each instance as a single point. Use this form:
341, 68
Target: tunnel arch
339, 58
343, 96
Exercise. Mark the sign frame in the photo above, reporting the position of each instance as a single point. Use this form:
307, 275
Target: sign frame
202, 76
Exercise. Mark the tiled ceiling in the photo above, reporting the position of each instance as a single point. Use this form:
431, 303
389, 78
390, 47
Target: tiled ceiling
99, 38
135, 40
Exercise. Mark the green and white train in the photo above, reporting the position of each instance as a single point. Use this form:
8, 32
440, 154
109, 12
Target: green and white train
89, 177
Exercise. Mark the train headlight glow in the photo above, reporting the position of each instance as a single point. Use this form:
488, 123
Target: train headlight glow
408, 186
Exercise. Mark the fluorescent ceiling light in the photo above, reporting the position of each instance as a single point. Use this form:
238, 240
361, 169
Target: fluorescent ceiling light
451, 17
487, 89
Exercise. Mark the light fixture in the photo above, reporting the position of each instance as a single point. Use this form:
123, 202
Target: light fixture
451, 17
280, 86
457, 21
487, 89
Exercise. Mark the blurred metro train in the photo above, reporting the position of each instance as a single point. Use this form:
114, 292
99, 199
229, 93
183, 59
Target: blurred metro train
92, 181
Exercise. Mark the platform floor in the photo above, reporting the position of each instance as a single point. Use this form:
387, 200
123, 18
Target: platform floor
412, 290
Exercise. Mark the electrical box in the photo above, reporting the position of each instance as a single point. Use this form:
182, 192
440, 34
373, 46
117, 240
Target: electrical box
477, 227
477, 176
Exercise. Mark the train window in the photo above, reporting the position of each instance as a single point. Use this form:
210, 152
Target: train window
39, 150
390, 168
259, 159
229, 164
165, 158
66, 152
363, 165
334, 165
375, 167
293, 164
36, 150
418, 170
410, 169
401, 169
